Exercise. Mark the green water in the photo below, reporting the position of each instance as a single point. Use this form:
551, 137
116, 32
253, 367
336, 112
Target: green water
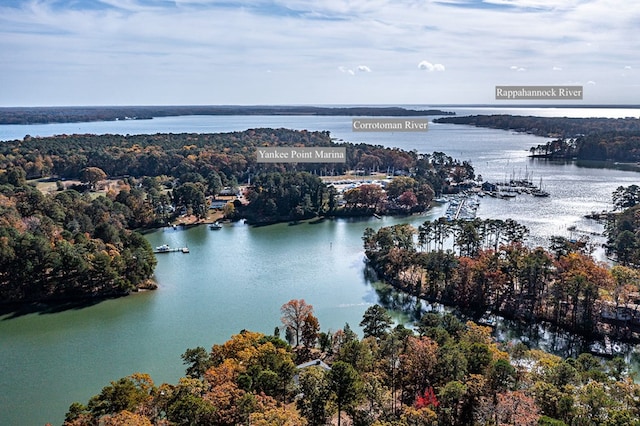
238, 277
234, 278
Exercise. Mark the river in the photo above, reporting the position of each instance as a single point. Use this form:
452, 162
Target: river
238, 277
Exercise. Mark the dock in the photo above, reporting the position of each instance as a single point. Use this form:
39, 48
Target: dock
461, 206
167, 249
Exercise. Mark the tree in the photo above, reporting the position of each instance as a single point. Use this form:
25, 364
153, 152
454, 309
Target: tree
502, 376
625, 247
198, 360
128, 393
191, 195
375, 321
625, 197
310, 330
125, 418
315, 390
450, 397
408, 200
214, 183
399, 185
294, 313
419, 365
344, 385
15, 176
92, 175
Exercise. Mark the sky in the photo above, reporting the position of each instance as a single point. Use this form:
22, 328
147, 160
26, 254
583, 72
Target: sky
313, 52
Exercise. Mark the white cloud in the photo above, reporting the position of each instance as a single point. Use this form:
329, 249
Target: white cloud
425, 65
207, 51
627, 67
428, 66
346, 70
556, 69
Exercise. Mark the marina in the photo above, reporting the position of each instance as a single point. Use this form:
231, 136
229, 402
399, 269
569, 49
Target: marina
461, 206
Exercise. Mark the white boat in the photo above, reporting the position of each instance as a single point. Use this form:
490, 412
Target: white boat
215, 226
163, 248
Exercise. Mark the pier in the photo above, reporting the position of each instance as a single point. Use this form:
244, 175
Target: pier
166, 249
461, 207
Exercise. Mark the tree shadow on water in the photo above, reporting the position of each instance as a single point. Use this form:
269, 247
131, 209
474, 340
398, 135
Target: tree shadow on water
17, 310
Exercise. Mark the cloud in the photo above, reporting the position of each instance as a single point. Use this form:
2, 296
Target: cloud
556, 69
204, 51
424, 65
346, 70
428, 66
627, 67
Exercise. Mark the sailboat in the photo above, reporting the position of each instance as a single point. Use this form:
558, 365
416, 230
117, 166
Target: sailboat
539, 192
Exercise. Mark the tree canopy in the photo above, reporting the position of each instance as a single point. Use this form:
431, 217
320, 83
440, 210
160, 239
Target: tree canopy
447, 372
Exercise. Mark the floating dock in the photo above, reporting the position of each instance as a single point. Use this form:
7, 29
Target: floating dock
167, 249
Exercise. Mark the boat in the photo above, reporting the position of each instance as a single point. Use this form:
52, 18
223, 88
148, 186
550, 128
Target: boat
215, 226
163, 249
185, 250
539, 193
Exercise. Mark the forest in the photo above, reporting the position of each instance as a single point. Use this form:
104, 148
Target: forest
68, 246
445, 372
41, 115
602, 139
622, 228
159, 177
489, 269
195, 166
231, 155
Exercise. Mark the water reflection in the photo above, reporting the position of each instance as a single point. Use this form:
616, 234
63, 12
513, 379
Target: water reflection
408, 310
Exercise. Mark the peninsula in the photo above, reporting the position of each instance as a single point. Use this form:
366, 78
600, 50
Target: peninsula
600, 139
43, 115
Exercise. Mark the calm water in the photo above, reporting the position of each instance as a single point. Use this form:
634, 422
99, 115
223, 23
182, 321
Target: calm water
239, 277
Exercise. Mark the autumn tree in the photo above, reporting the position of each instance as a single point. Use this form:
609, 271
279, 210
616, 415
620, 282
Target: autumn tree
294, 313
419, 365
310, 330
92, 175
129, 393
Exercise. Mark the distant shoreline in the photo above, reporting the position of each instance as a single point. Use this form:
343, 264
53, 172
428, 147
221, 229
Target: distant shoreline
79, 114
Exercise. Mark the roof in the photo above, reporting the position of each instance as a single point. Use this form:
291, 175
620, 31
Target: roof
315, 362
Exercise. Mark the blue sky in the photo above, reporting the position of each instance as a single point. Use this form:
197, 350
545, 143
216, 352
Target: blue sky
145, 52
